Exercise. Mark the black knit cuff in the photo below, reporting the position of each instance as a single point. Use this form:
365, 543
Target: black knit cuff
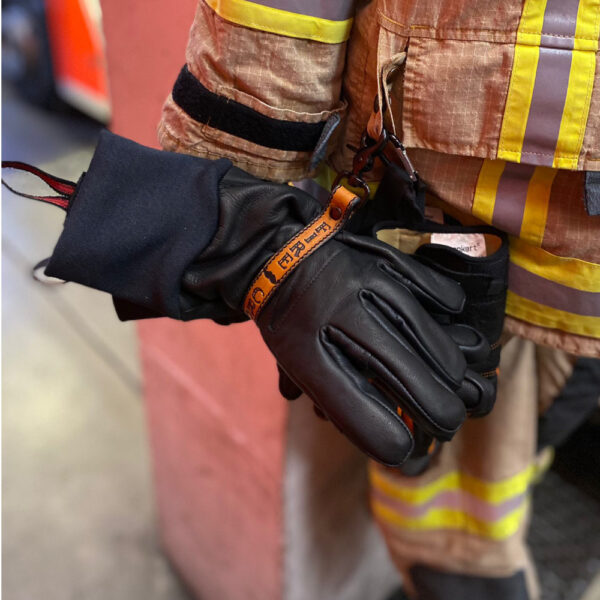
139, 218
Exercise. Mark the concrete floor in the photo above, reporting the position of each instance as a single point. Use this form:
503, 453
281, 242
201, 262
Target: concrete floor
78, 513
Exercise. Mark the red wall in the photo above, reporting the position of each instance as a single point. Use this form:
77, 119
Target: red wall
216, 420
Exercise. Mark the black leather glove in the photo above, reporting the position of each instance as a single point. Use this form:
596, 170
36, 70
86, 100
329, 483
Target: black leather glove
350, 329
350, 326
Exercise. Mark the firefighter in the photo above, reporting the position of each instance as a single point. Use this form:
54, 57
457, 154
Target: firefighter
497, 106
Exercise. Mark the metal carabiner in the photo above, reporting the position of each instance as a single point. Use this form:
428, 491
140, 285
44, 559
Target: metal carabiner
363, 162
400, 152
369, 149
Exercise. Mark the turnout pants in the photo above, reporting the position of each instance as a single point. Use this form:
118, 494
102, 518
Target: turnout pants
458, 530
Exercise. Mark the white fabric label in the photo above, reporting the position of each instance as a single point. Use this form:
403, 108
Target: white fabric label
472, 244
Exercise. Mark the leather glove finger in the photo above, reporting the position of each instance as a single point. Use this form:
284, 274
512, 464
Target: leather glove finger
287, 388
436, 291
478, 394
476, 391
290, 391
359, 410
409, 382
397, 310
471, 342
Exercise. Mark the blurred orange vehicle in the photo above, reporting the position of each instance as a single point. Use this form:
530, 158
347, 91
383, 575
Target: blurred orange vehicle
53, 51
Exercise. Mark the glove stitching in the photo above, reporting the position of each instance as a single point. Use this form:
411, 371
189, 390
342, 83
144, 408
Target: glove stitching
419, 408
370, 454
410, 340
412, 399
395, 261
416, 289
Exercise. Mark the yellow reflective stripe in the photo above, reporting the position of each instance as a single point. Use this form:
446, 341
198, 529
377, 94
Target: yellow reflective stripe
553, 309
325, 176
533, 223
581, 82
545, 316
572, 272
487, 187
522, 80
446, 518
520, 92
588, 25
493, 492
532, 22
282, 22
574, 117
536, 205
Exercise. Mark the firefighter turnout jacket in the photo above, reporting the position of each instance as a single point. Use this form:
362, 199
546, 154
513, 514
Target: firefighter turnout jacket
498, 103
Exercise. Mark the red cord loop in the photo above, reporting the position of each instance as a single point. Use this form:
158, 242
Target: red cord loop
65, 188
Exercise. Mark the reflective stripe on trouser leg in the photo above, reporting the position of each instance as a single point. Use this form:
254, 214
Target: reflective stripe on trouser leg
468, 513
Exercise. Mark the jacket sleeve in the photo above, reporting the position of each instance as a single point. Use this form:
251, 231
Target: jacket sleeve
261, 84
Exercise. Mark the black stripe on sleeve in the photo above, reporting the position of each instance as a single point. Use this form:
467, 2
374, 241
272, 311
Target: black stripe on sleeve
242, 121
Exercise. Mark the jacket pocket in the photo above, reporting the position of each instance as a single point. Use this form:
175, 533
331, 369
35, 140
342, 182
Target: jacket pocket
454, 93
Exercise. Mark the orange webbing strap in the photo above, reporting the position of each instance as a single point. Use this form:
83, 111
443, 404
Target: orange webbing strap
302, 245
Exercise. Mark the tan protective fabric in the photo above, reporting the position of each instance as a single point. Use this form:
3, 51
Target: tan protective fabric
448, 105
462, 51
505, 445
449, 101
280, 77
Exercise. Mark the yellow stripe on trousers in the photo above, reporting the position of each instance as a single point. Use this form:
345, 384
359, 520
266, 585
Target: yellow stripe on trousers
494, 492
282, 22
447, 518
454, 501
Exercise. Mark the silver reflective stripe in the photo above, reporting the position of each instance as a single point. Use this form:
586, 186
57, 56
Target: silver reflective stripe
333, 10
550, 293
551, 82
511, 197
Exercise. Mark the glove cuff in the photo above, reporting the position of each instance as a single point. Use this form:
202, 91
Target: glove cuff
138, 219
256, 218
